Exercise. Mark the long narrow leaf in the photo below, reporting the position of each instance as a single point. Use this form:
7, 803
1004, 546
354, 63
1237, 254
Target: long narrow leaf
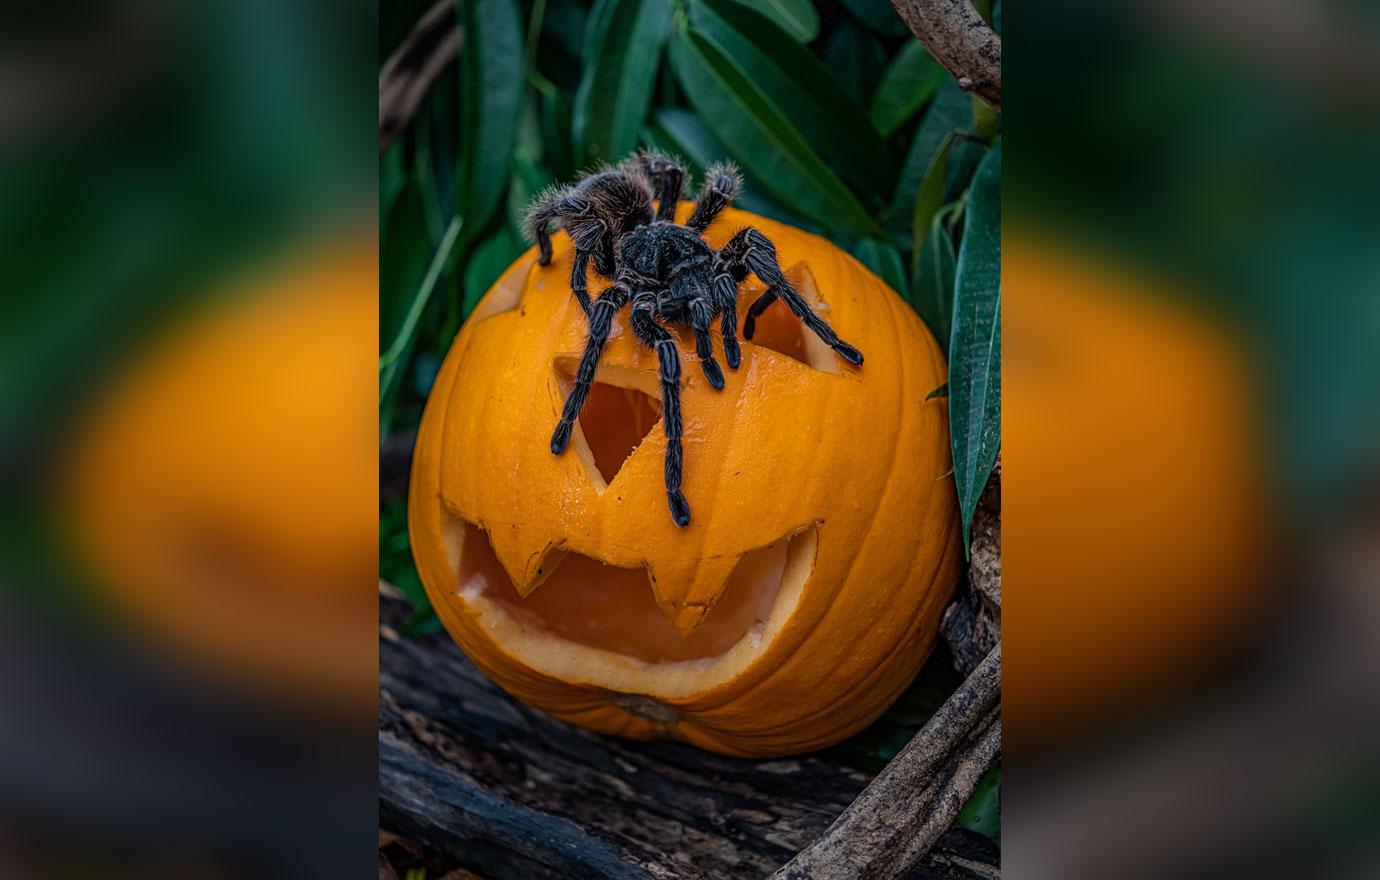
681, 133
930, 197
950, 109
795, 81
907, 83
932, 284
796, 17
975, 342
490, 90
762, 138
618, 76
883, 259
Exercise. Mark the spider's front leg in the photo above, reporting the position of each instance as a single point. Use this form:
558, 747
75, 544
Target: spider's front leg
752, 250
588, 236
726, 300
721, 185
701, 313
655, 337
600, 320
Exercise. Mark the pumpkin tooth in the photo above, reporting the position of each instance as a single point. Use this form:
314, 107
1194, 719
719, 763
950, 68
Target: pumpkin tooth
685, 590
527, 570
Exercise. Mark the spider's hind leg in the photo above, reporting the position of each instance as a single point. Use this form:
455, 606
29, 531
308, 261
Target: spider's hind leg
667, 176
753, 250
655, 337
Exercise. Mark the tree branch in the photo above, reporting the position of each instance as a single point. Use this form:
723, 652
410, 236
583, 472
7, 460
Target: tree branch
901, 813
960, 40
407, 75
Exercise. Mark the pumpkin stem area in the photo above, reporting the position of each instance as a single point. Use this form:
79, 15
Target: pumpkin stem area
601, 606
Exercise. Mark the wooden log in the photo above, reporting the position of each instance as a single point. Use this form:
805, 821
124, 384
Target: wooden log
507, 792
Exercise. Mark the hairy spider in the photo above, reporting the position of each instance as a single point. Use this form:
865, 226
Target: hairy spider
669, 274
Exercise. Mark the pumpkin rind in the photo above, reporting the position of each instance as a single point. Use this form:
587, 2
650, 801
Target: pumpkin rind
851, 462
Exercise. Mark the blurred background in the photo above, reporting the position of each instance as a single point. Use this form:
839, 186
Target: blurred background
841, 121
1192, 298
188, 269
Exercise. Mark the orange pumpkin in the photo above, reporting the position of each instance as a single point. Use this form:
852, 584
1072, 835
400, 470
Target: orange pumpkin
221, 493
807, 589
1137, 522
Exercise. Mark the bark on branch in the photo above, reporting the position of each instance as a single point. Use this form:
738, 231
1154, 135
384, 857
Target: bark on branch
407, 75
496, 787
901, 813
960, 40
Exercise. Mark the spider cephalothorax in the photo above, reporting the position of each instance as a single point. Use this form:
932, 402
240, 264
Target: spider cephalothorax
669, 274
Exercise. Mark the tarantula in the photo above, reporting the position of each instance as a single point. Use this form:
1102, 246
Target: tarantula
669, 274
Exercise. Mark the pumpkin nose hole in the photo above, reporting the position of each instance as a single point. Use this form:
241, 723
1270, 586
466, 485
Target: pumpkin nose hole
614, 422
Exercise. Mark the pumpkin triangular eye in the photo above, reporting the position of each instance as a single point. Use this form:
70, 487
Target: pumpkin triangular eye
613, 423
781, 331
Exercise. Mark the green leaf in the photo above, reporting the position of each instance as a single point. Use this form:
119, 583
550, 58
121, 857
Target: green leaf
555, 132
941, 391
679, 132
856, 57
986, 120
393, 360
802, 90
488, 261
930, 197
879, 15
762, 138
951, 109
883, 259
982, 813
490, 98
392, 176
975, 341
618, 75
908, 82
796, 17
932, 285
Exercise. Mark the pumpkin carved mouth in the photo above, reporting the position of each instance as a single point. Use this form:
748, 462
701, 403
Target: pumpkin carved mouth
584, 602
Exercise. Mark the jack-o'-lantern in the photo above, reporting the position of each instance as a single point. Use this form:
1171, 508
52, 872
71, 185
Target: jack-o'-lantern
1137, 520
806, 591
221, 493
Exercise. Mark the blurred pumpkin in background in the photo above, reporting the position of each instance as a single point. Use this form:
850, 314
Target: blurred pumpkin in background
222, 491
806, 591
1136, 518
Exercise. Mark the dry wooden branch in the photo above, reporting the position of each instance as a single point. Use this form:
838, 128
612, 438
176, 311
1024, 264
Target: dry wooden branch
407, 75
960, 40
501, 789
901, 813
972, 624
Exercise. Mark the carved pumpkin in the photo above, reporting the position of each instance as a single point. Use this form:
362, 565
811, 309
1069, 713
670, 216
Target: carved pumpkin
221, 492
807, 589
1138, 522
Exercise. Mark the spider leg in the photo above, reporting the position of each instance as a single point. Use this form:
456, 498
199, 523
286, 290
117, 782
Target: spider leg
721, 185
654, 336
726, 298
667, 178
554, 205
755, 311
588, 237
600, 320
701, 313
755, 251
